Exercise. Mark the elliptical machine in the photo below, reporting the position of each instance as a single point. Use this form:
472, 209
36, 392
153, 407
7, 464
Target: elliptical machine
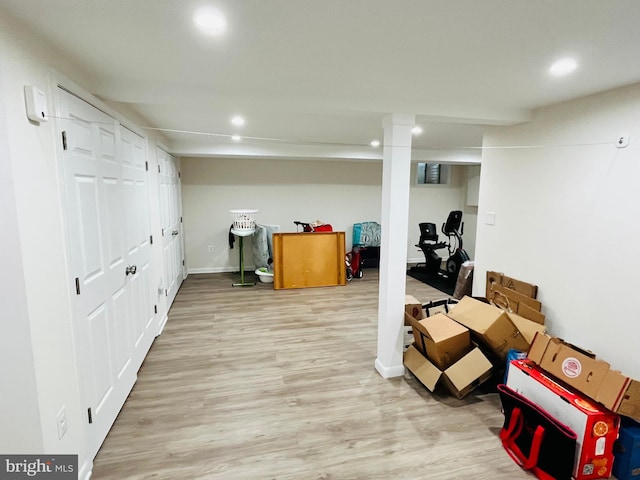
429, 244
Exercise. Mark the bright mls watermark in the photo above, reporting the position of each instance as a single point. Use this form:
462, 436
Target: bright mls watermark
46, 467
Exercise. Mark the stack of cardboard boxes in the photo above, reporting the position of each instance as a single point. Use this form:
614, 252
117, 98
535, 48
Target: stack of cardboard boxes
442, 352
464, 344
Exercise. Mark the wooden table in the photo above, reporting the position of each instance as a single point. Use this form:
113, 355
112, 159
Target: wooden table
303, 260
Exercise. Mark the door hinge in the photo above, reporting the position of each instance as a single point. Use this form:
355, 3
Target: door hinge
90, 415
179, 175
155, 309
64, 140
158, 168
77, 286
183, 263
151, 239
146, 166
180, 219
166, 293
163, 232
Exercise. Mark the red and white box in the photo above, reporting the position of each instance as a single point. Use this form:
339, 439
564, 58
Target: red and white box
596, 427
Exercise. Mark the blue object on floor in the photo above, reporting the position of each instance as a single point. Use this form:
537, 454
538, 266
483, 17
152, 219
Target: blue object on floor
626, 465
513, 354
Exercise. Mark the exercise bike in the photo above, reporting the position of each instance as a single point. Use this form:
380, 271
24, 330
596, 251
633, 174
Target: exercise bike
429, 244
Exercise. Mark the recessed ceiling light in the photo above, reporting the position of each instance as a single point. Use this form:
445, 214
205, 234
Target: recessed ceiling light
238, 121
210, 21
375, 143
416, 130
236, 138
562, 67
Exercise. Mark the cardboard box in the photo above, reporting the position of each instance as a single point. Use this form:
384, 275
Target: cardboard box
591, 376
526, 311
490, 324
442, 340
493, 278
596, 427
627, 451
460, 379
510, 300
514, 296
519, 286
527, 327
498, 278
413, 308
464, 282
439, 306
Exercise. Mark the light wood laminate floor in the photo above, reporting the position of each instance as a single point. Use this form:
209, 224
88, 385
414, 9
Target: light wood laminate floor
252, 383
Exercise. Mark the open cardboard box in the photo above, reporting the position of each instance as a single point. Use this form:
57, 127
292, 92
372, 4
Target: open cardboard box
460, 378
442, 340
591, 376
493, 326
413, 308
442, 352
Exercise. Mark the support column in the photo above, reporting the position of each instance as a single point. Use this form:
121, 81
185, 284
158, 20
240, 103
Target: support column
396, 174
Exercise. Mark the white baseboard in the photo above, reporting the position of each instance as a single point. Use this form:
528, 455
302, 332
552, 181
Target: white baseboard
195, 271
85, 470
163, 322
250, 268
389, 372
415, 260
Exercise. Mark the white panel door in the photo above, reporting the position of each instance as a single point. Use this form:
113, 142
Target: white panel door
107, 210
137, 243
171, 219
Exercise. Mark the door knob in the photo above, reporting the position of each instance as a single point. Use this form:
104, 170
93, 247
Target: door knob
131, 269
174, 233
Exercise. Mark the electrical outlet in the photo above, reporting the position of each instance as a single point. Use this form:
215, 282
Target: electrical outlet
210, 248
61, 420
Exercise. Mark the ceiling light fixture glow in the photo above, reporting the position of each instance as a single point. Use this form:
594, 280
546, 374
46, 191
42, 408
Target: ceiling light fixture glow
416, 130
238, 121
210, 21
236, 138
375, 143
563, 67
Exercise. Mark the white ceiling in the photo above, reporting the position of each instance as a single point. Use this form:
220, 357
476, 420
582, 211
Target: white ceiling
316, 77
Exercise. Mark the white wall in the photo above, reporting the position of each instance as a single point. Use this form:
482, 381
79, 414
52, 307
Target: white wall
339, 193
49, 337
40, 370
567, 217
18, 413
432, 203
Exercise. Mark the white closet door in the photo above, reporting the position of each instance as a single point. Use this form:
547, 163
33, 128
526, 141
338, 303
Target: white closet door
171, 218
137, 243
108, 223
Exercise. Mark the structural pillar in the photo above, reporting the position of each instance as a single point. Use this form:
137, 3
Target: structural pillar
396, 175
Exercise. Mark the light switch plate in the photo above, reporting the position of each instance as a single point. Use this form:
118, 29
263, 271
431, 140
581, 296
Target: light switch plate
490, 218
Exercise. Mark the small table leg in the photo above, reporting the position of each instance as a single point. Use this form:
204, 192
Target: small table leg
242, 282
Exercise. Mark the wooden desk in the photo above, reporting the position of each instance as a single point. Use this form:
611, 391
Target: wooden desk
303, 260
